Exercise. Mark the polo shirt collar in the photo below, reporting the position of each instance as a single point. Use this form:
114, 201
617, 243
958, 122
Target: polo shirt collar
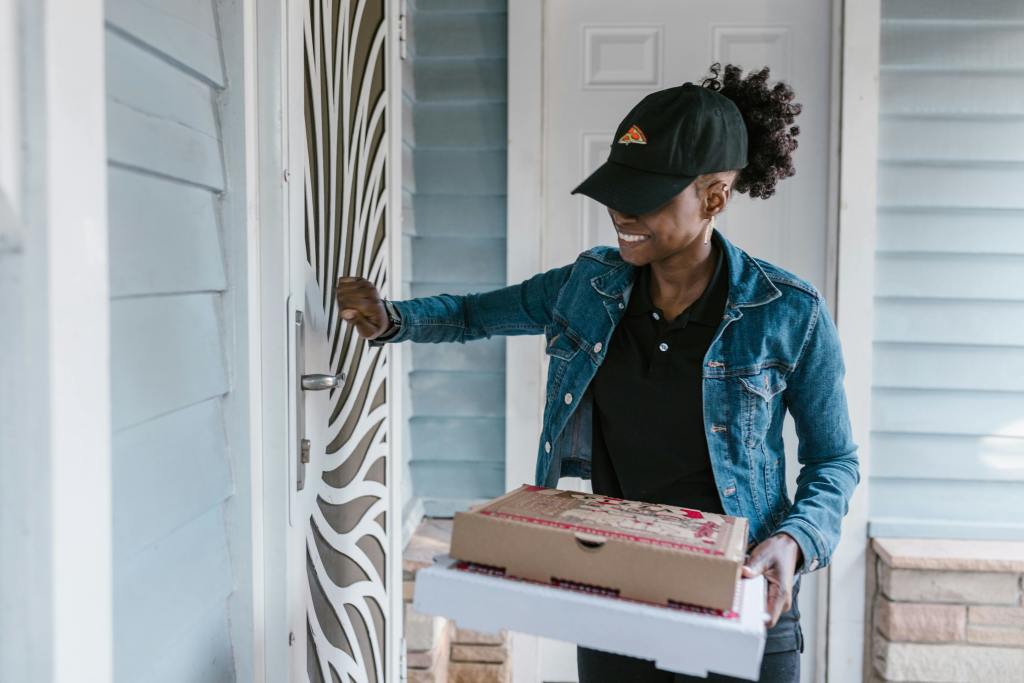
700, 310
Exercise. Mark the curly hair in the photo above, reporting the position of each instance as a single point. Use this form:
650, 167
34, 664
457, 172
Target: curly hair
769, 113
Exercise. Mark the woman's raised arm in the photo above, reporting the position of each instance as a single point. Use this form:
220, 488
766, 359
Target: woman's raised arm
525, 308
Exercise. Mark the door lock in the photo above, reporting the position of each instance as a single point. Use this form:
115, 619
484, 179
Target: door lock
313, 382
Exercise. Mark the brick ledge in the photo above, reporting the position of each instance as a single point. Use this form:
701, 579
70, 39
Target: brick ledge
952, 555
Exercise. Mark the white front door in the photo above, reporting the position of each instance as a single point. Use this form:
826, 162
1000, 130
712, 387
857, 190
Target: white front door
600, 59
343, 601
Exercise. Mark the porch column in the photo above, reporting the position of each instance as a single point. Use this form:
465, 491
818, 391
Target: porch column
55, 472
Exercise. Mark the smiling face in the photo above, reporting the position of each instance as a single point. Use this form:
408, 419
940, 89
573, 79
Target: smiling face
676, 227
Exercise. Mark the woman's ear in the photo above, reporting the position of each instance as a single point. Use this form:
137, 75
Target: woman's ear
716, 196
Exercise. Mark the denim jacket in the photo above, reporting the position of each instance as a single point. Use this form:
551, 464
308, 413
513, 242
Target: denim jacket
776, 349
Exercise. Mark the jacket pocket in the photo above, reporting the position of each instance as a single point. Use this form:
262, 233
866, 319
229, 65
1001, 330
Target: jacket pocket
767, 383
561, 346
758, 395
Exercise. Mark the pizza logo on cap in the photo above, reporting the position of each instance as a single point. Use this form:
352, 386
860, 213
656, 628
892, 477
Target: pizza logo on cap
633, 136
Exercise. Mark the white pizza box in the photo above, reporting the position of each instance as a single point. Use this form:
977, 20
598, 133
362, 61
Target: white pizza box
687, 640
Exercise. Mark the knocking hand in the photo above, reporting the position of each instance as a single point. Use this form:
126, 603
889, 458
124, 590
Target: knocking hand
776, 558
361, 305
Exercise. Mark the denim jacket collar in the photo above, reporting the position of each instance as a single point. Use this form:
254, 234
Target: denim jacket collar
749, 285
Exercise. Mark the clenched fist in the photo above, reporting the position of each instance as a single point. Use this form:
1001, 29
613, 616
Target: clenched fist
361, 305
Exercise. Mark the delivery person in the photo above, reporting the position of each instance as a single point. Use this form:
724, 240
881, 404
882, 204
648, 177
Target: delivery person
675, 357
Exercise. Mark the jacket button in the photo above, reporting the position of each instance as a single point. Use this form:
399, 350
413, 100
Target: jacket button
813, 565
621, 305
568, 399
597, 347
547, 446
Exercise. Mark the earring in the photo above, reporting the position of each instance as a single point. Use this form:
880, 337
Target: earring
707, 230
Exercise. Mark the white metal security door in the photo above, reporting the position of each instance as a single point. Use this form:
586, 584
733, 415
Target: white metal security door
342, 547
601, 58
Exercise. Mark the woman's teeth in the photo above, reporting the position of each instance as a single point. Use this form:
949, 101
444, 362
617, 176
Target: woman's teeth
625, 237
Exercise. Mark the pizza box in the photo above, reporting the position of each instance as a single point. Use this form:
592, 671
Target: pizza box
656, 553
688, 640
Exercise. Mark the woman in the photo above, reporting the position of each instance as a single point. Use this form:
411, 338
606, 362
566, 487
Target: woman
674, 358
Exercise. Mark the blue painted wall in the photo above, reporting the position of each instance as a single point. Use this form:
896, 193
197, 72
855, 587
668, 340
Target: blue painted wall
454, 226
948, 422
170, 359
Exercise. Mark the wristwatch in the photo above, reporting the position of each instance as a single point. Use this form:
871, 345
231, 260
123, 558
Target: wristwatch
393, 315
395, 318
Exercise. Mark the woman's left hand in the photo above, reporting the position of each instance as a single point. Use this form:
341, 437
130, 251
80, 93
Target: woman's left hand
776, 558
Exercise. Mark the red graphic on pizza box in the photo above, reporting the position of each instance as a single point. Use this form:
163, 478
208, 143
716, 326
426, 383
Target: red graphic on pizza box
652, 523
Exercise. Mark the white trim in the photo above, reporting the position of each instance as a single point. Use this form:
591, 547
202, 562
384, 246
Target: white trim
397, 424
819, 657
412, 516
9, 123
77, 370
55, 452
253, 332
265, 57
524, 355
855, 319
242, 405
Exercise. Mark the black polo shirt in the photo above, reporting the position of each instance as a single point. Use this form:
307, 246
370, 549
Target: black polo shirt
649, 442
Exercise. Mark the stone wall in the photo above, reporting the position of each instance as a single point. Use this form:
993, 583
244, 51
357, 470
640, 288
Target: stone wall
436, 650
946, 610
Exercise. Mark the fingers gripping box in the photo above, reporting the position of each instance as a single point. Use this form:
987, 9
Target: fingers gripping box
654, 553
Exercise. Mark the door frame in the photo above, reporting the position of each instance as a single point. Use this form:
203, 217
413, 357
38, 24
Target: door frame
266, 107
853, 128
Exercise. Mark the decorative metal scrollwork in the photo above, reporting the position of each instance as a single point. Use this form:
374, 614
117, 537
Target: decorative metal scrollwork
346, 204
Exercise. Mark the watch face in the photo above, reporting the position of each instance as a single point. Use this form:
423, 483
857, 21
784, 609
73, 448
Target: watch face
392, 312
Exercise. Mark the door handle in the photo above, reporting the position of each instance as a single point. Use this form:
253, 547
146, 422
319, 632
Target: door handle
321, 382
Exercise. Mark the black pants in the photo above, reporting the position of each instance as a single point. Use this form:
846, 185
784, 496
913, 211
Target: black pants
781, 663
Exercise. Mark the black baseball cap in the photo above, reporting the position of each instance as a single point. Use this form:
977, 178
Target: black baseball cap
668, 139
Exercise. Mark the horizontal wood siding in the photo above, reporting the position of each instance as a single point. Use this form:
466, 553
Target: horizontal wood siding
170, 367
455, 237
948, 405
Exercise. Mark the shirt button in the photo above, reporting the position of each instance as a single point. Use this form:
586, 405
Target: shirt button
568, 399
621, 305
656, 316
547, 446
597, 347
813, 565
663, 346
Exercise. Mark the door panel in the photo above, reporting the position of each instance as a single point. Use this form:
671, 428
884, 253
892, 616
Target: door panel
340, 508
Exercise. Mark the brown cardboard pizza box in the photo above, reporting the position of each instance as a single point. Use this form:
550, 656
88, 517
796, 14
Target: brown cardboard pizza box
655, 553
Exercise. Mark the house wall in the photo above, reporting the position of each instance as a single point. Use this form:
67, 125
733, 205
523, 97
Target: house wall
454, 227
172, 342
948, 397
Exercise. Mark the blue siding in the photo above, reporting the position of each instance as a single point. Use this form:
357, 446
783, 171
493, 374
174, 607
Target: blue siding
948, 417
455, 238
170, 366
